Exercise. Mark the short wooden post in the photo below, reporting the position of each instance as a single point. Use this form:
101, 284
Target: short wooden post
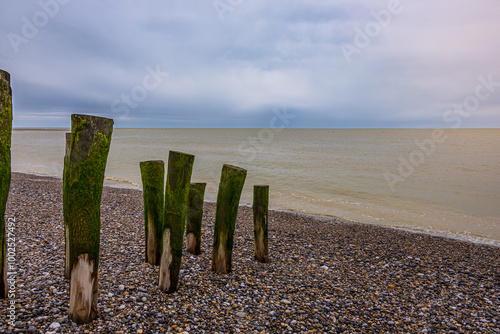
5, 141
260, 222
82, 190
194, 217
153, 178
228, 198
180, 167
66, 228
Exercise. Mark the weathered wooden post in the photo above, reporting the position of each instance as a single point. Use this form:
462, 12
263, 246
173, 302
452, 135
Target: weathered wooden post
260, 222
5, 140
153, 178
194, 217
180, 167
66, 229
228, 199
82, 190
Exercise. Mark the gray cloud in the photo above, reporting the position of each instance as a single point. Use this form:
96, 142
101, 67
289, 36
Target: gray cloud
233, 72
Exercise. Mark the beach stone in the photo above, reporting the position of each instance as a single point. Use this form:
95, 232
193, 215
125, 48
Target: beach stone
55, 325
355, 297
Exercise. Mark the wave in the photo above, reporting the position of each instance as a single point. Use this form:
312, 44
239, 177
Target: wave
120, 180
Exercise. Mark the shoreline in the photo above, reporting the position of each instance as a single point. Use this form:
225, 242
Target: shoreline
322, 217
324, 276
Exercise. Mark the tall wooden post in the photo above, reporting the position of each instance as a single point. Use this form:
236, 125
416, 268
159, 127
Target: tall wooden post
66, 228
82, 190
180, 167
5, 141
260, 222
228, 198
194, 218
153, 178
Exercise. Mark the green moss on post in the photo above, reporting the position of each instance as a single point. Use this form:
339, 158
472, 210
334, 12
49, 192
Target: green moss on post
180, 167
5, 140
82, 190
153, 176
260, 222
194, 218
66, 228
228, 199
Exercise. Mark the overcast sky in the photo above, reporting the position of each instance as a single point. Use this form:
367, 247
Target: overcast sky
237, 63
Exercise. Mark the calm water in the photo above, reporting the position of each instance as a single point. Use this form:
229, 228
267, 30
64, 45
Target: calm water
446, 184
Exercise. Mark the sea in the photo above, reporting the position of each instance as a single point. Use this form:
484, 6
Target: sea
442, 182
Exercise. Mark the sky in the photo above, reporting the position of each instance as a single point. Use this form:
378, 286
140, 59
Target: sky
246, 63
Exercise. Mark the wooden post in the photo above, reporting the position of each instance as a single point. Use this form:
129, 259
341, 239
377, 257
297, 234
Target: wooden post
5, 141
82, 190
194, 218
260, 222
180, 167
228, 198
66, 228
153, 178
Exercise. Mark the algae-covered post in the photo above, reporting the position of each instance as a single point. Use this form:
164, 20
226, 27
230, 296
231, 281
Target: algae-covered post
228, 198
153, 178
5, 140
82, 190
194, 218
66, 230
180, 167
260, 222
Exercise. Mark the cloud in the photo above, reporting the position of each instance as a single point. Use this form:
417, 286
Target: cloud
262, 55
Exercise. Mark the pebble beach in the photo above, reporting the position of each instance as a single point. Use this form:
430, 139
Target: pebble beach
326, 275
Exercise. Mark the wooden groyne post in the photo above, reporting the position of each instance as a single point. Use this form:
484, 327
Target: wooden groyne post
180, 167
5, 141
194, 217
228, 199
66, 230
153, 178
82, 190
261, 221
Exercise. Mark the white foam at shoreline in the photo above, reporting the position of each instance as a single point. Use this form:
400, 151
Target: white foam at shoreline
322, 217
